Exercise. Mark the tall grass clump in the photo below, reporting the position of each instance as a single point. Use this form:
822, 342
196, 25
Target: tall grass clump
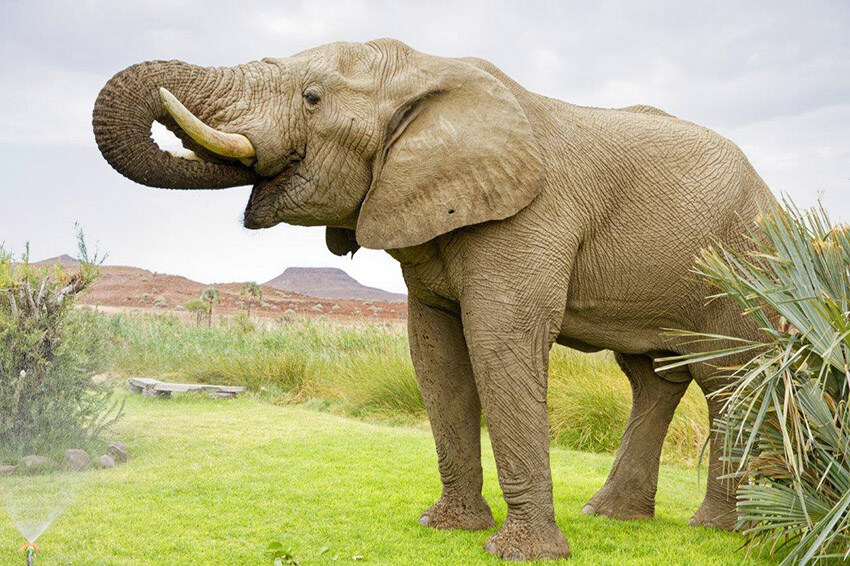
362, 370
590, 400
48, 401
786, 424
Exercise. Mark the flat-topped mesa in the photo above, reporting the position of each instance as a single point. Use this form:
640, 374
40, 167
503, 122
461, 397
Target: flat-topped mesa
329, 283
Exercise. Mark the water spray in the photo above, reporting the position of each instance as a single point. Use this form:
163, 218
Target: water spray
30, 548
34, 502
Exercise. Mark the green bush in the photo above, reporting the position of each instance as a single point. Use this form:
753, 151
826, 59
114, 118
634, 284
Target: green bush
786, 425
48, 401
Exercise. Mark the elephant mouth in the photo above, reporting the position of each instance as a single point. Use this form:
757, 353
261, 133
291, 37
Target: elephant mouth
260, 210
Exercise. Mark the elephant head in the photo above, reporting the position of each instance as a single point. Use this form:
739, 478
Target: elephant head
376, 138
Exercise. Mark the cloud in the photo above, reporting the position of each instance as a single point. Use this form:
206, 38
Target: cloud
774, 76
47, 105
806, 156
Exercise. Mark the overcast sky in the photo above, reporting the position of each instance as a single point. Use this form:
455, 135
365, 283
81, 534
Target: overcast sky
772, 76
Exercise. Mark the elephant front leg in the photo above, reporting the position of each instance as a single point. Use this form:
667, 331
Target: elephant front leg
511, 372
444, 373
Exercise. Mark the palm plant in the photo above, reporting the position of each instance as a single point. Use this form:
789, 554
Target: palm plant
210, 297
786, 426
250, 293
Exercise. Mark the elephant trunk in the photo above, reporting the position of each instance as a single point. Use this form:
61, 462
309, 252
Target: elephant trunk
131, 101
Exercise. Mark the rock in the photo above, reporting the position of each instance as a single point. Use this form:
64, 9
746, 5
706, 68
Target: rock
99, 378
76, 460
118, 452
7, 470
107, 461
35, 463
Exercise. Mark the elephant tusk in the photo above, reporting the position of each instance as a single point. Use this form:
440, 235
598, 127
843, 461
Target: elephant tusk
235, 146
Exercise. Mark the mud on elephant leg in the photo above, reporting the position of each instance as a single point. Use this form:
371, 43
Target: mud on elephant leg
510, 370
629, 491
444, 373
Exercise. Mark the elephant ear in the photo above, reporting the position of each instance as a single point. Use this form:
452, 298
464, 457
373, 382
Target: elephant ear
460, 151
341, 241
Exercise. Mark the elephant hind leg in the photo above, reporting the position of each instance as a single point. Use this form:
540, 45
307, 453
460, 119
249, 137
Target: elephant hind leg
718, 509
629, 492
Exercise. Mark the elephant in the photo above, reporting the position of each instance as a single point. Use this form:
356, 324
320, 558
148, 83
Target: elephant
518, 220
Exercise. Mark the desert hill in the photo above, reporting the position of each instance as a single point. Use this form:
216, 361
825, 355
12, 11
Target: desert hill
329, 283
64, 260
123, 288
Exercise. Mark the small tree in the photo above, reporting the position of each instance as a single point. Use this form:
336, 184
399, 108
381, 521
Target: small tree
210, 297
251, 293
199, 308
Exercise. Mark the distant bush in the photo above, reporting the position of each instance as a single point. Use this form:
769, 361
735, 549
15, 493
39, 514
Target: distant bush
242, 322
47, 358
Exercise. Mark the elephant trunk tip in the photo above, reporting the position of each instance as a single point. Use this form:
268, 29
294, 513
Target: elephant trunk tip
124, 112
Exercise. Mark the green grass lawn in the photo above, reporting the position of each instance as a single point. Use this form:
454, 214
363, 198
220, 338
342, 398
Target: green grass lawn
214, 482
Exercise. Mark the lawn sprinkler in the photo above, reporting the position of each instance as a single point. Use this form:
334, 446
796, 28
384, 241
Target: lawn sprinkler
30, 548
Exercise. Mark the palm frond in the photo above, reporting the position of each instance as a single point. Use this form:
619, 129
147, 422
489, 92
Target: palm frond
785, 420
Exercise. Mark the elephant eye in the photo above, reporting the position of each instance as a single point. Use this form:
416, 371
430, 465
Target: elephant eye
312, 97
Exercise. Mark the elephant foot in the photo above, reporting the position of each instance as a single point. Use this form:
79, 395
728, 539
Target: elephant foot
622, 503
453, 512
719, 514
518, 541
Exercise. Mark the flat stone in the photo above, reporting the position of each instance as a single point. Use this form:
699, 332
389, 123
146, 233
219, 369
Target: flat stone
118, 452
7, 470
76, 460
154, 388
107, 461
33, 463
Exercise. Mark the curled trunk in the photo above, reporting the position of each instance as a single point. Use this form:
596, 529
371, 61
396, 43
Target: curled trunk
130, 102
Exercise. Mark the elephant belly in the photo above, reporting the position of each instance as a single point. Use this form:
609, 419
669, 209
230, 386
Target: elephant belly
565, 340
629, 315
593, 335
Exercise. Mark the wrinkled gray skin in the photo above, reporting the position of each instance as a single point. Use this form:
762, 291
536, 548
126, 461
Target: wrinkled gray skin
518, 221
